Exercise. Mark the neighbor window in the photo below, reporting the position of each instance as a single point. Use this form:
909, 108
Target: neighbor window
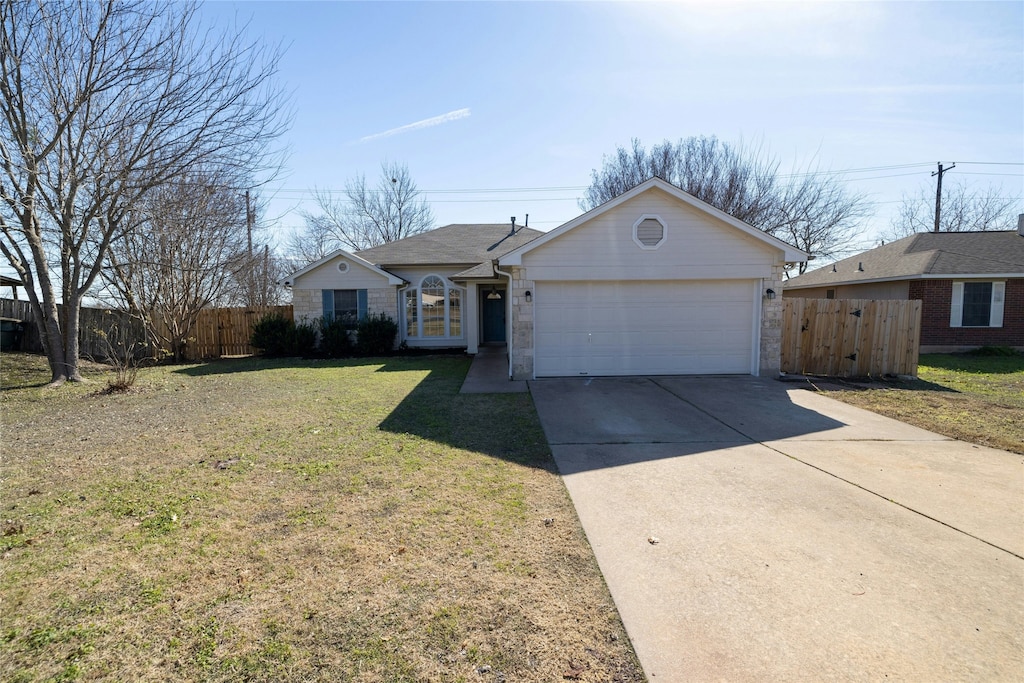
433, 309
347, 305
977, 304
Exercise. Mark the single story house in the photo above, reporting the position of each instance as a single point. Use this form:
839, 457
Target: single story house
971, 285
653, 282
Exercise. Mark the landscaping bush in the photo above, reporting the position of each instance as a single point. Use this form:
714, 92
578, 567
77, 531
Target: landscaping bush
335, 338
376, 334
276, 336
304, 341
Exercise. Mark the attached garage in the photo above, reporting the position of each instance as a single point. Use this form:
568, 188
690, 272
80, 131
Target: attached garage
645, 327
654, 282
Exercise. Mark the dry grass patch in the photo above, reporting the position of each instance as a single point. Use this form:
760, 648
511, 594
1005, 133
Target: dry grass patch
259, 520
974, 398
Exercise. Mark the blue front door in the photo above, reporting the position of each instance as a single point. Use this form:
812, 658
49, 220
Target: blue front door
493, 317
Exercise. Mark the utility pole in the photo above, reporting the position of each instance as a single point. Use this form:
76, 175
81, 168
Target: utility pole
250, 294
249, 218
938, 191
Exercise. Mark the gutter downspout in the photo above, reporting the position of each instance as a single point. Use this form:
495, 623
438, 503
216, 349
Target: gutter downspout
508, 334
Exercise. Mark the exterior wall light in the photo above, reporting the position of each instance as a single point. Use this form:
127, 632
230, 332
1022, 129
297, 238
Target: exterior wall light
529, 296
770, 294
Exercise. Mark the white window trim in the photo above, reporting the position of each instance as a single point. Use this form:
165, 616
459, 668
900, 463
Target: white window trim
664, 232
995, 316
448, 286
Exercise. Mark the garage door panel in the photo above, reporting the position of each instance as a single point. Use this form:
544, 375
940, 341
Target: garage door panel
635, 328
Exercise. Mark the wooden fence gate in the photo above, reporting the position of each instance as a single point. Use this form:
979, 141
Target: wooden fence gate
850, 337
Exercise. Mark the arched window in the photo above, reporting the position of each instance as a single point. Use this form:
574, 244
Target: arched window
433, 310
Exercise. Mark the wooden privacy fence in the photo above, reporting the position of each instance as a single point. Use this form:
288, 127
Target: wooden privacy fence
850, 337
218, 331
226, 331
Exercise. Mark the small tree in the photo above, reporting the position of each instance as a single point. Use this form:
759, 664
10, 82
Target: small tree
363, 217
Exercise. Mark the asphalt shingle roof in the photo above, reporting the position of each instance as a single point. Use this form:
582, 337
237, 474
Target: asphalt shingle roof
929, 253
468, 244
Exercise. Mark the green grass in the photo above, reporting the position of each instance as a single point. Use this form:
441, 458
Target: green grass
275, 520
972, 397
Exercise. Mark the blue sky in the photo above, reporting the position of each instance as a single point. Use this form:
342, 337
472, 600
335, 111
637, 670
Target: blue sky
531, 95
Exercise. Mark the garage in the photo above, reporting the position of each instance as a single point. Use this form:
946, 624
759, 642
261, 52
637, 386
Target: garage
652, 282
634, 327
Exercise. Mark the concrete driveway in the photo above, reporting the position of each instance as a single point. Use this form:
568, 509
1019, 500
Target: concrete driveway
798, 538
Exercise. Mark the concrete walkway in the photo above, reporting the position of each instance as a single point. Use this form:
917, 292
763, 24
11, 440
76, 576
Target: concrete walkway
488, 373
749, 530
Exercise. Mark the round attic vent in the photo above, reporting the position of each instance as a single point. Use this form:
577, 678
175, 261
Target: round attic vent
343, 267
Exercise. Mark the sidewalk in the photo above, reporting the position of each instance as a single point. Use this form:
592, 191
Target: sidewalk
489, 373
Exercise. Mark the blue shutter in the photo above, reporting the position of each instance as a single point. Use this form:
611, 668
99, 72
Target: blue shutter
328, 305
361, 303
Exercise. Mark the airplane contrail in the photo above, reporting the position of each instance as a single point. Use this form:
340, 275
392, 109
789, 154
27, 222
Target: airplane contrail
425, 123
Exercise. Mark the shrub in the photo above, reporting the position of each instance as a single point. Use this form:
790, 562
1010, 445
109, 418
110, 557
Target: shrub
376, 334
335, 338
274, 335
304, 340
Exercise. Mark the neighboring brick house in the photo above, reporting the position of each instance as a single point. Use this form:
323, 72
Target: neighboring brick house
971, 285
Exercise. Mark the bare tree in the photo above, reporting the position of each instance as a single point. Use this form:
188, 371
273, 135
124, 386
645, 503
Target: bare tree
365, 217
102, 103
963, 210
813, 212
188, 251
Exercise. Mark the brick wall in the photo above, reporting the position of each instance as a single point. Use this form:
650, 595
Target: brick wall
936, 297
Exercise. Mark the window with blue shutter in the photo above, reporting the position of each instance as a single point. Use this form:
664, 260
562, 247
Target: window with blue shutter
328, 297
347, 305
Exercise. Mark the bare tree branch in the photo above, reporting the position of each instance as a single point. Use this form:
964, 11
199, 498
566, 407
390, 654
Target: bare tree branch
365, 217
814, 213
963, 210
103, 103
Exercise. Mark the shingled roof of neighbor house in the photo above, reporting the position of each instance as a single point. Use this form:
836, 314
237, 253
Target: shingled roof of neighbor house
929, 254
460, 243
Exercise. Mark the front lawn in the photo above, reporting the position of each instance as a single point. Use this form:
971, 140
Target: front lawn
291, 521
974, 398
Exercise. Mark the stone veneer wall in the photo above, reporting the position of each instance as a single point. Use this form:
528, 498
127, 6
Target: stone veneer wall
307, 304
522, 325
771, 325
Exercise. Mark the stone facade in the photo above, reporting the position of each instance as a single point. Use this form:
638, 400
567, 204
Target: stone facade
522, 325
307, 304
770, 361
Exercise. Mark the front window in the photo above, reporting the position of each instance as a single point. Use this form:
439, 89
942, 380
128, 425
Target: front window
977, 304
412, 327
432, 306
346, 307
433, 310
455, 311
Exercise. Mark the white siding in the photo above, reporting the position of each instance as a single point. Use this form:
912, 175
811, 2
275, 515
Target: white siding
696, 246
327, 276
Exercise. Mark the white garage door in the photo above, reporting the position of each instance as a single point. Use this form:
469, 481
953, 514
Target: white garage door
644, 328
